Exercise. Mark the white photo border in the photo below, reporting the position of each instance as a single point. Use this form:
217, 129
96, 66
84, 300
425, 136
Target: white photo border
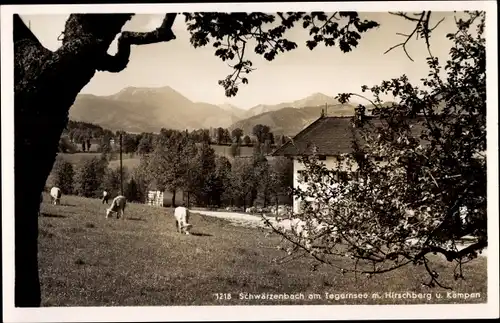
245, 313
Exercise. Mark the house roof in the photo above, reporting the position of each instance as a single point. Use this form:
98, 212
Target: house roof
332, 136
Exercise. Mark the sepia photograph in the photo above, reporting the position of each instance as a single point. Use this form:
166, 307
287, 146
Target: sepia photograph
249, 161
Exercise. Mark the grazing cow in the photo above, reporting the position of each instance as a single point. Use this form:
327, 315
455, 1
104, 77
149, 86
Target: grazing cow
105, 197
182, 219
118, 207
55, 194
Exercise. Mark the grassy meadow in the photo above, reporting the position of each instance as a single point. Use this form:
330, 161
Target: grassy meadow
77, 158
132, 162
87, 260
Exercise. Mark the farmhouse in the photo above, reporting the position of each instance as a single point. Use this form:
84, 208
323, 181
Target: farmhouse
331, 137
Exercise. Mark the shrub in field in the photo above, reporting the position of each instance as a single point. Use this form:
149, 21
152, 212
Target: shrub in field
89, 177
63, 175
135, 191
111, 181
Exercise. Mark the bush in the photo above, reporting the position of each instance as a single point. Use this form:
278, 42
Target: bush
90, 176
135, 191
111, 181
63, 175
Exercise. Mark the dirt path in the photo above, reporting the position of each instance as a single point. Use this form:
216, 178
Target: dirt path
247, 220
255, 221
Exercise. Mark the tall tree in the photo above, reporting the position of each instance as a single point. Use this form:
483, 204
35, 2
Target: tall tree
202, 168
282, 180
430, 191
169, 162
89, 177
226, 137
260, 180
221, 180
111, 181
246, 140
243, 180
261, 132
105, 144
220, 135
145, 144
129, 143
236, 135
88, 144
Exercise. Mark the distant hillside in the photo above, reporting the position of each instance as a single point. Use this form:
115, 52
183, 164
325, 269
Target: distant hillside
240, 113
148, 110
289, 121
137, 110
313, 100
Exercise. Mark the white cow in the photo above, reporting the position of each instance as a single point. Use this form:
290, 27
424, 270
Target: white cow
117, 206
55, 194
182, 219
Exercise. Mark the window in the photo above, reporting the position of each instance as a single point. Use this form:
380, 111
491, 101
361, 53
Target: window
339, 176
302, 205
321, 157
343, 176
303, 176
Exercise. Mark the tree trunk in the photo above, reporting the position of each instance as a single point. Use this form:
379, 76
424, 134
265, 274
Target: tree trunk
173, 197
46, 85
253, 197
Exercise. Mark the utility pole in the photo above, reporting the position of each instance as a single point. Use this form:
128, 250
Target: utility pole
121, 164
326, 109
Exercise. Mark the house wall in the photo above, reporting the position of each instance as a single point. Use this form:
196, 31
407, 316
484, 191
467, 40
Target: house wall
331, 162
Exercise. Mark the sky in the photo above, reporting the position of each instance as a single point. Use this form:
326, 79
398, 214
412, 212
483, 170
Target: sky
291, 76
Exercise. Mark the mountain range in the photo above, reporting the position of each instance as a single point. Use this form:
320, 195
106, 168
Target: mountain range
150, 109
290, 121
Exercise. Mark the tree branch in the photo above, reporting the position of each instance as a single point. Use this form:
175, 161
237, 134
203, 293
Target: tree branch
422, 28
403, 44
22, 32
119, 61
451, 254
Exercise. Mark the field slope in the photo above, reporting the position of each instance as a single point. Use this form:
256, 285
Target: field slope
87, 260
